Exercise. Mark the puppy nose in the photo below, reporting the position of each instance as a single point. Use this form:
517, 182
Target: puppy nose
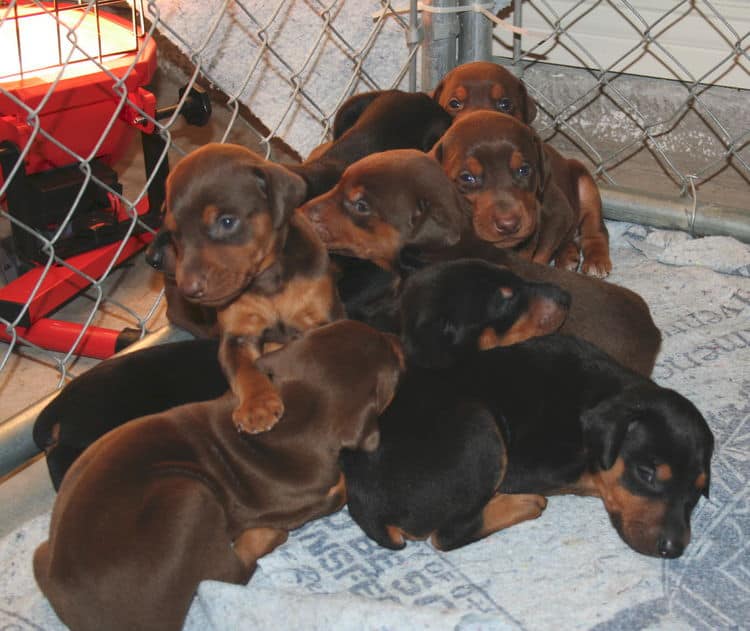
670, 548
508, 225
154, 257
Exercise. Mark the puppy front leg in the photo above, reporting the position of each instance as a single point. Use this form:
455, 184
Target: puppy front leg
259, 404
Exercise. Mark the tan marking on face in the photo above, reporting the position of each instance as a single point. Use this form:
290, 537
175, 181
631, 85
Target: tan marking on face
474, 166
663, 472
169, 222
497, 91
517, 160
700, 481
210, 213
353, 193
639, 519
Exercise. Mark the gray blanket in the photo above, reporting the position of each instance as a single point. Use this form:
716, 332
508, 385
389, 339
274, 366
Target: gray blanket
566, 570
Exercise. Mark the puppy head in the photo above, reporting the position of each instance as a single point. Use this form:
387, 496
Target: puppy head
650, 452
497, 164
387, 201
353, 371
457, 307
483, 85
226, 210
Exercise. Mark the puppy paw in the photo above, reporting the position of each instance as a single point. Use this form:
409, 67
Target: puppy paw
598, 266
258, 414
531, 506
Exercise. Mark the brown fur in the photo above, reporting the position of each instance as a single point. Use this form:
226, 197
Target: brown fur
164, 502
264, 272
407, 193
540, 212
483, 85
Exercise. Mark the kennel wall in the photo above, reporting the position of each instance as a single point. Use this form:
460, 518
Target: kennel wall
654, 96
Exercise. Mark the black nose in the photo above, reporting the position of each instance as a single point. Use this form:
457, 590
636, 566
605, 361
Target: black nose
670, 548
154, 256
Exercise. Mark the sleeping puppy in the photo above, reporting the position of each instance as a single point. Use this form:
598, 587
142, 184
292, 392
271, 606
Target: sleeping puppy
452, 309
232, 242
483, 85
473, 448
524, 194
400, 207
166, 501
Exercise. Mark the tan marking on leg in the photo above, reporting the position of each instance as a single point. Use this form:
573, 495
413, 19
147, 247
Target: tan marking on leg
505, 510
254, 543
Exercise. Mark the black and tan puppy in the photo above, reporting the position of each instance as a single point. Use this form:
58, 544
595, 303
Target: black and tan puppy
524, 194
368, 123
455, 308
121, 389
236, 246
468, 450
166, 501
483, 85
399, 202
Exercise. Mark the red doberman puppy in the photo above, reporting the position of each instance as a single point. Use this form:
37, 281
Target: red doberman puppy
402, 200
483, 85
166, 501
234, 244
475, 447
524, 194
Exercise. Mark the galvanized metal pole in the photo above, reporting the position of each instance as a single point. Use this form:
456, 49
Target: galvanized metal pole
413, 40
517, 21
475, 38
622, 204
439, 46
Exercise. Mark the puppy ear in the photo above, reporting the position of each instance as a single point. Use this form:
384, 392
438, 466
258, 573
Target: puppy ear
543, 168
350, 111
283, 189
528, 105
605, 427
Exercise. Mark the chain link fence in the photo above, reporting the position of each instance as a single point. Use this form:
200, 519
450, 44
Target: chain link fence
87, 132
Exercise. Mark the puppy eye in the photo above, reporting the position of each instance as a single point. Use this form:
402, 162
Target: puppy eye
524, 170
227, 223
467, 178
361, 206
645, 473
504, 105
455, 104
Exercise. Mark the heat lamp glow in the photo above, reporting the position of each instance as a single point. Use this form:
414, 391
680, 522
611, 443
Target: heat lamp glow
36, 39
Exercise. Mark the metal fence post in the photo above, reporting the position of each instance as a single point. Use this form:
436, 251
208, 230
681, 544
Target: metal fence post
439, 47
475, 38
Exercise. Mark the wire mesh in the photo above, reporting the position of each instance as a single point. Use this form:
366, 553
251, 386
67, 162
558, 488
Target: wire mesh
695, 132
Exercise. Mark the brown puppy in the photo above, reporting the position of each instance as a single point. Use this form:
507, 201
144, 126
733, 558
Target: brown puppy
483, 85
429, 211
378, 206
166, 501
524, 194
234, 245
